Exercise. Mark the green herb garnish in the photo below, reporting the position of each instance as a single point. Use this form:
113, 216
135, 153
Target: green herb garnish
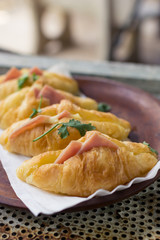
152, 149
63, 131
35, 77
38, 110
103, 107
22, 80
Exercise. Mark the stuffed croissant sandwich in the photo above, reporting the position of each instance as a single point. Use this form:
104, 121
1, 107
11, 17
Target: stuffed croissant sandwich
66, 122
20, 105
93, 162
15, 80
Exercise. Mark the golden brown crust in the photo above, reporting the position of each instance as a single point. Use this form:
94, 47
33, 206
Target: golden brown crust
8, 88
61, 82
83, 174
86, 103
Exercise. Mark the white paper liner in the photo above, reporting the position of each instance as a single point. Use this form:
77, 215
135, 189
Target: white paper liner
39, 201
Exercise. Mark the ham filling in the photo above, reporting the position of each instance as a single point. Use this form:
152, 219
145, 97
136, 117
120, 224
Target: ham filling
12, 74
96, 140
49, 93
75, 148
30, 124
36, 92
71, 150
36, 71
42, 119
64, 114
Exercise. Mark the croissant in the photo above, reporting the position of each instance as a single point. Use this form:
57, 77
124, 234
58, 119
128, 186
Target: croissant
20, 105
9, 83
19, 137
93, 162
115, 127
106, 123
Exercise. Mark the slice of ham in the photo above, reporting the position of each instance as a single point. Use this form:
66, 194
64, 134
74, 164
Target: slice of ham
51, 94
36, 70
30, 125
12, 74
36, 92
71, 150
75, 147
96, 140
64, 114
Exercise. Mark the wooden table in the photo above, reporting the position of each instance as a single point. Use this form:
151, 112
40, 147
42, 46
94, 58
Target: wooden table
135, 218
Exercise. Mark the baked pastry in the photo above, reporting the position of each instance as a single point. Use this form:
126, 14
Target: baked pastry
93, 162
19, 137
108, 123
20, 105
16, 79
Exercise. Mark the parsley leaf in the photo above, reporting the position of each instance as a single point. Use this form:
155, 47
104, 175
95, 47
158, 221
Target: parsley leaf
103, 107
35, 111
152, 149
63, 131
82, 128
22, 80
34, 77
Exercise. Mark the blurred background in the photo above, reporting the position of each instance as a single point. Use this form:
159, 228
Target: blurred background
116, 30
